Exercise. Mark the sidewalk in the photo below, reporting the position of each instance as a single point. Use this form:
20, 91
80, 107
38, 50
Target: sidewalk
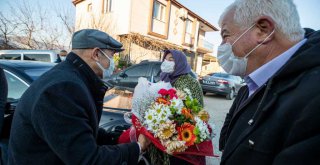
118, 99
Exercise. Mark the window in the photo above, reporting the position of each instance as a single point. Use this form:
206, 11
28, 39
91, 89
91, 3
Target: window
188, 26
89, 8
159, 11
138, 71
107, 6
16, 86
37, 57
10, 56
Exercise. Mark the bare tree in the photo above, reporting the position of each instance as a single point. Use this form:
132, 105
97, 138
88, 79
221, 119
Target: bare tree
36, 27
7, 28
67, 18
29, 22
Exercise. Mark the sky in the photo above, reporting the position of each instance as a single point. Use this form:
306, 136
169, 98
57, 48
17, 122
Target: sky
210, 10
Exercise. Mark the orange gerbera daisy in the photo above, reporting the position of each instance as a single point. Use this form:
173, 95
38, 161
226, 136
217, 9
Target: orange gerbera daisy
186, 133
187, 113
162, 101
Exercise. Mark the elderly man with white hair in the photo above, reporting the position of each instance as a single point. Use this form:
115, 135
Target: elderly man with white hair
275, 118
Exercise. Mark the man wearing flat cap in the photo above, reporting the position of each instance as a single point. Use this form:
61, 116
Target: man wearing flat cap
56, 120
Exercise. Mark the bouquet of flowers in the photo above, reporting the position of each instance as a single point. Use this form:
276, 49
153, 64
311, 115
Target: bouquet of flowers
172, 120
177, 120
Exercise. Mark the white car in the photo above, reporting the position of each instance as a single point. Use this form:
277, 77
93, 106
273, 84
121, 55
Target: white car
31, 55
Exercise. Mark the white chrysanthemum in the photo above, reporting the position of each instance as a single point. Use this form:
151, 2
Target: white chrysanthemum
166, 111
177, 104
188, 92
144, 95
150, 119
181, 95
203, 128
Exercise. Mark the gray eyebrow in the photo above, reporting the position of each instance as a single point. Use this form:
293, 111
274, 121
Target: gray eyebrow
223, 31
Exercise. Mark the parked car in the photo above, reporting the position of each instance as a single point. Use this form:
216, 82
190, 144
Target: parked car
221, 83
30, 55
128, 78
20, 75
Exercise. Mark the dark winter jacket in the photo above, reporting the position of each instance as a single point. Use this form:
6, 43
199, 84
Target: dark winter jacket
285, 113
56, 121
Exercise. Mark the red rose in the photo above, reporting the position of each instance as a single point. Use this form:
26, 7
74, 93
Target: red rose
172, 93
163, 92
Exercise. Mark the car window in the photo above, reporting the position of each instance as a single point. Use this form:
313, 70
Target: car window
156, 70
10, 56
16, 86
222, 75
37, 57
137, 71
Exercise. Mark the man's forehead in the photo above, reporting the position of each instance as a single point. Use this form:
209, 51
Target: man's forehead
227, 21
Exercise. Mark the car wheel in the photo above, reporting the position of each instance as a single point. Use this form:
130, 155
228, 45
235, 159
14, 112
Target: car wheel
230, 96
204, 93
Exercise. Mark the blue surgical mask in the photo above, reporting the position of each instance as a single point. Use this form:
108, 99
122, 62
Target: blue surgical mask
106, 72
233, 64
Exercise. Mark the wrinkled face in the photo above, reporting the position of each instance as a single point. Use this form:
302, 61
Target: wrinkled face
104, 61
230, 32
169, 57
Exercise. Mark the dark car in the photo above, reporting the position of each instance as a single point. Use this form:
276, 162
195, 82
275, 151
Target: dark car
128, 78
19, 76
221, 83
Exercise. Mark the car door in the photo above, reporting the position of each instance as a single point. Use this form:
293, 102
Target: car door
237, 82
129, 78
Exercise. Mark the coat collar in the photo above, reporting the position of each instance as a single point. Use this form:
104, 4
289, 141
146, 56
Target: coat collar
93, 82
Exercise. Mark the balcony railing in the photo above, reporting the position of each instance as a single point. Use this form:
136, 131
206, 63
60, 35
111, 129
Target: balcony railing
205, 44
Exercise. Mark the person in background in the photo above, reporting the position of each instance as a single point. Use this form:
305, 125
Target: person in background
275, 118
63, 55
57, 119
176, 70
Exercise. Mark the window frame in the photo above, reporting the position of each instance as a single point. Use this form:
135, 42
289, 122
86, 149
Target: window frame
89, 7
107, 6
161, 11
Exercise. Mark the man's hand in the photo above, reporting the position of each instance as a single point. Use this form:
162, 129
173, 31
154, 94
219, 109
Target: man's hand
144, 142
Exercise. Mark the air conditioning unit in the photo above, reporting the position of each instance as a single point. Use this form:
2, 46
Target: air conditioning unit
183, 13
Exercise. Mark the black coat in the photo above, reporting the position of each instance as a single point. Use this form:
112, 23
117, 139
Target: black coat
56, 121
286, 115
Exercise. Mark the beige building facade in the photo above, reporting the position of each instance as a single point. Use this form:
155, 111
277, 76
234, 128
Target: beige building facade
147, 27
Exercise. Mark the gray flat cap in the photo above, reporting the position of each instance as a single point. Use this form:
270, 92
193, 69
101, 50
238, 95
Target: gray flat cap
92, 38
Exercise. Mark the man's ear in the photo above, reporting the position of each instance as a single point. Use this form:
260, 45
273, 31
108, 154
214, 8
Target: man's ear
265, 27
95, 54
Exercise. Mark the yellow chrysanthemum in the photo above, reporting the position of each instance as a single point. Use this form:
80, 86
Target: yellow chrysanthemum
165, 131
204, 115
175, 146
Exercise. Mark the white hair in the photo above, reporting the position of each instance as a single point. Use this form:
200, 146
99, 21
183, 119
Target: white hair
283, 12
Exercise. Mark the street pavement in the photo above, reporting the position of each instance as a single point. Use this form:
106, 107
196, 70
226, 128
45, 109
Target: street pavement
217, 106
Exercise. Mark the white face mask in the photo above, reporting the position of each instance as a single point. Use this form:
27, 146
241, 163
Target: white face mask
232, 64
167, 66
63, 58
106, 72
